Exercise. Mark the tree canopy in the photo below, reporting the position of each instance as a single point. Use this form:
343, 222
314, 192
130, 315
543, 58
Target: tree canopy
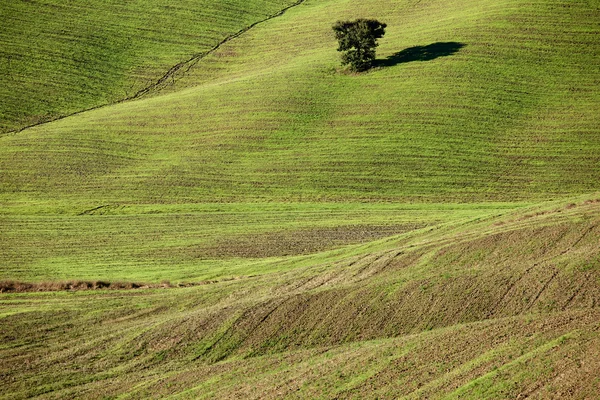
358, 40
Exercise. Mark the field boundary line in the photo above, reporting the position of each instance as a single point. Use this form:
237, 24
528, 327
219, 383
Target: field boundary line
170, 74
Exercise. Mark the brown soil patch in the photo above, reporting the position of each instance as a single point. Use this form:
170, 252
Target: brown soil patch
299, 242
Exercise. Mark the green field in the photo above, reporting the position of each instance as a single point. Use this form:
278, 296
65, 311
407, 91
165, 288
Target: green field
426, 229
486, 309
59, 57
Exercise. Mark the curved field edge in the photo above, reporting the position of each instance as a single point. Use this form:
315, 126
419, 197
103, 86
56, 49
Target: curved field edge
494, 308
59, 59
199, 242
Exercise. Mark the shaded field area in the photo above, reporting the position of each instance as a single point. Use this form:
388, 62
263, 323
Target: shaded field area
421, 53
389, 323
57, 58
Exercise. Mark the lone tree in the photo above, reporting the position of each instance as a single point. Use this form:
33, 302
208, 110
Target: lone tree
358, 39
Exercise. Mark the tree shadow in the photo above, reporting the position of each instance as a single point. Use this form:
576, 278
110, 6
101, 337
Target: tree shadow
420, 53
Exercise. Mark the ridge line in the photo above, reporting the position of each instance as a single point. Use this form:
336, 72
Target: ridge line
169, 74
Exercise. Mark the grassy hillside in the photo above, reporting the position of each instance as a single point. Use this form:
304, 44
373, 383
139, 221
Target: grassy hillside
498, 103
490, 309
428, 229
60, 57
511, 115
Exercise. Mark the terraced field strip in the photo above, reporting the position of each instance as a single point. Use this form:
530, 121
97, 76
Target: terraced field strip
191, 242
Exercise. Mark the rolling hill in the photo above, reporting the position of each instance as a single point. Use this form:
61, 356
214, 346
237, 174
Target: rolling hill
495, 308
62, 57
267, 119
427, 229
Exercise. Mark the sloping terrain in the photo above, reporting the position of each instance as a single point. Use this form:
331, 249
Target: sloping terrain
492, 120
490, 309
60, 57
427, 229
467, 117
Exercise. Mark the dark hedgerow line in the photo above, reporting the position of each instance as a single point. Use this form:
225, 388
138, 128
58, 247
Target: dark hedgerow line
164, 80
10, 286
